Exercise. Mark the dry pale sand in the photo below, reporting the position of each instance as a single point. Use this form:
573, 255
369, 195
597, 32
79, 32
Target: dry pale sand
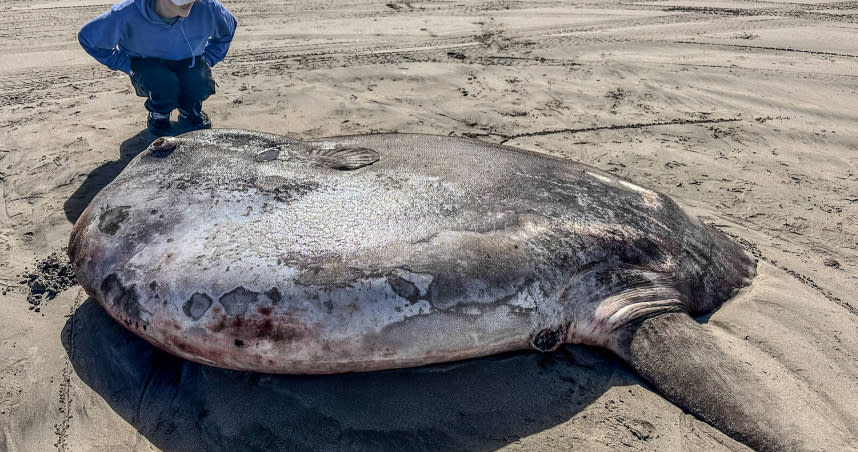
745, 112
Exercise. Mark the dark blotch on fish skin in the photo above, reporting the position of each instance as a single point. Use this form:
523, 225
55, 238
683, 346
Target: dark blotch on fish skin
197, 305
118, 295
404, 288
274, 295
289, 192
236, 301
112, 218
548, 340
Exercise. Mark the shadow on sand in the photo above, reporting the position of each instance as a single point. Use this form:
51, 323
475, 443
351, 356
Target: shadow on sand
479, 404
104, 174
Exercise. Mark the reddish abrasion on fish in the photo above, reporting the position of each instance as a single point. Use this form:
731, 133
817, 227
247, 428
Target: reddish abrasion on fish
275, 328
226, 343
77, 242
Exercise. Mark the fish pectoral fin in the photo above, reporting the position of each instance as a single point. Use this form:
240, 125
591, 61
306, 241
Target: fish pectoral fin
705, 375
344, 158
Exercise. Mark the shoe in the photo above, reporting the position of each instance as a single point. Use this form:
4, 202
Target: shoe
195, 120
158, 123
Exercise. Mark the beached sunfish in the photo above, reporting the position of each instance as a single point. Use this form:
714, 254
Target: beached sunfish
258, 252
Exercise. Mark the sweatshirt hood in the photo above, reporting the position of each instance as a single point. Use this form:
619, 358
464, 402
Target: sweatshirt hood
147, 10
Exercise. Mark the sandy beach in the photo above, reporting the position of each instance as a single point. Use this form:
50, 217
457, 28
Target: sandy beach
742, 111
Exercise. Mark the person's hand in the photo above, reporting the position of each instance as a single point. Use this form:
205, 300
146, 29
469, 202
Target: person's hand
202, 60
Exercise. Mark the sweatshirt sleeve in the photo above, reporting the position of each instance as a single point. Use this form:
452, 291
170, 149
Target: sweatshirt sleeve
100, 36
221, 37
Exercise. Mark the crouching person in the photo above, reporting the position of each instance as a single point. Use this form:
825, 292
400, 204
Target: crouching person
167, 47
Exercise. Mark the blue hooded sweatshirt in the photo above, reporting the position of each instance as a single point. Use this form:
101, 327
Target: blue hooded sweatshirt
132, 29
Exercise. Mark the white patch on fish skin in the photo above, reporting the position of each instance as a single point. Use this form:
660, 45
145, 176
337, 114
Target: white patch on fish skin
650, 198
420, 280
634, 187
526, 299
471, 310
419, 308
327, 145
602, 178
390, 308
376, 198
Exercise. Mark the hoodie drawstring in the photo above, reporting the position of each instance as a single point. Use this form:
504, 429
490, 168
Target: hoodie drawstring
193, 57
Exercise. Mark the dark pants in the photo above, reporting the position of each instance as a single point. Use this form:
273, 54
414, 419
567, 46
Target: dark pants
172, 84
